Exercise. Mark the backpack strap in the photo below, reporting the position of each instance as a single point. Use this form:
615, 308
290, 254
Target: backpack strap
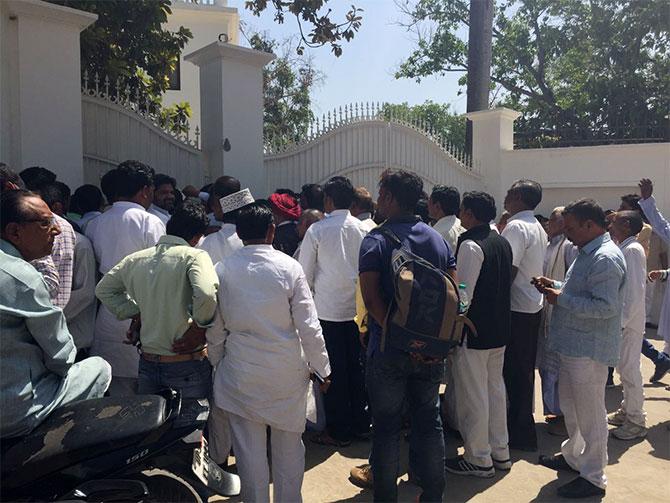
390, 235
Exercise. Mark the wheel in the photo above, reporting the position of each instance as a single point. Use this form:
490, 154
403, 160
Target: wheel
165, 486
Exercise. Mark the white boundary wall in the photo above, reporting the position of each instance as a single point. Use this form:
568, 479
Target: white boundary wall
604, 173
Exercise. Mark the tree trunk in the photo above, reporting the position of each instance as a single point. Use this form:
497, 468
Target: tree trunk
479, 60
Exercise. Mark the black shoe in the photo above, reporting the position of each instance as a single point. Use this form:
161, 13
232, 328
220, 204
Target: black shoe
523, 447
556, 462
579, 488
662, 368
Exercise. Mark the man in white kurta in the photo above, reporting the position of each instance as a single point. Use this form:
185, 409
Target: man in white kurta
221, 243
272, 339
125, 228
631, 418
661, 227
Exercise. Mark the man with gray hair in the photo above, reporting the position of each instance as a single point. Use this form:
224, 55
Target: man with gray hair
557, 259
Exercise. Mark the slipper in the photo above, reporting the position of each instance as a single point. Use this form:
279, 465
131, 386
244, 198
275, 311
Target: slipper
325, 439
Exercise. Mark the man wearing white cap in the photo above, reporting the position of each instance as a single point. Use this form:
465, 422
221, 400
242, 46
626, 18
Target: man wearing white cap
224, 242
221, 245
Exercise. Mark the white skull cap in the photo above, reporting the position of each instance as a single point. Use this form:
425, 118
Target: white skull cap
236, 200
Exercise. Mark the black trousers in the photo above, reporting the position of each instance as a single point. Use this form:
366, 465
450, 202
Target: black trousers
345, 401
519, 375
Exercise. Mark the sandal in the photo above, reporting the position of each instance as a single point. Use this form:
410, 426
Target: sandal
325, 439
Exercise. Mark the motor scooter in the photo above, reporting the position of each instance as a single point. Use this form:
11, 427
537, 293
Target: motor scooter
116, 449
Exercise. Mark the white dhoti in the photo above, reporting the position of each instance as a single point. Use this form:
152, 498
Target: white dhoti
581, 386
220, 439
482, 404
288, 461
631, 377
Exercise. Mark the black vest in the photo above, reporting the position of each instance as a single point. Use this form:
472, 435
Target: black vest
490, 308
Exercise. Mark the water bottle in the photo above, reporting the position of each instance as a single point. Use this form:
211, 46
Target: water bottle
463, 303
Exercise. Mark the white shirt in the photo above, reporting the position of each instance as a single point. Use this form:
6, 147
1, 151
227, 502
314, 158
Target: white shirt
633, 316
221, 243
469, 264
86, 218
329, 257
160, 213
123, 229
81, 308
450, 229
529, 243
367, 221
268, 320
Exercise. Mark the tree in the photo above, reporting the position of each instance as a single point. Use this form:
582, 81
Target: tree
287, 83
129, 42
572, 67
437, 116
323, 29
479, 60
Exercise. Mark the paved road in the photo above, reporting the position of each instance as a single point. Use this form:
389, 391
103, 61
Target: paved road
638, 471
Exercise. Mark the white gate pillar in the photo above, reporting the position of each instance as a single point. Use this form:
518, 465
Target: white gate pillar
40, 88
492, 134
231, 112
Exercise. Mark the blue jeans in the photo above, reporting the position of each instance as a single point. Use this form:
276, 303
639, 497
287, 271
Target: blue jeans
192, 378
393, 377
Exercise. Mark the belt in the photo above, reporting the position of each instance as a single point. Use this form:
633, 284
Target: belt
198, 355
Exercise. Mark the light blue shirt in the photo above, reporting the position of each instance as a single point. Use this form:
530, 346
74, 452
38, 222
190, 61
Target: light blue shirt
586, 321
36, 351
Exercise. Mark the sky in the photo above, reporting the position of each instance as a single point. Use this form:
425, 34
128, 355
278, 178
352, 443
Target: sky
364, 71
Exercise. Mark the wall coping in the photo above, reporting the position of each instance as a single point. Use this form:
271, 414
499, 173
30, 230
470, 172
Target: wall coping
501, 112
51, 12
222, 51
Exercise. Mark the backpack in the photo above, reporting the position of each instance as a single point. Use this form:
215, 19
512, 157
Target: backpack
423, 316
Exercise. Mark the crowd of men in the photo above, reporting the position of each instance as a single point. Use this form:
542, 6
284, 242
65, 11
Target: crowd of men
137, 286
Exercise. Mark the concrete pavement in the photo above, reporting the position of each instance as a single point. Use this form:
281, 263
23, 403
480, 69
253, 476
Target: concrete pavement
637, 471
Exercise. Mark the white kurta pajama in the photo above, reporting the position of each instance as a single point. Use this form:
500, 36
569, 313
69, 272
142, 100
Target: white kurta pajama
221, 243
125, 228
662, 228
632, 324
269, 323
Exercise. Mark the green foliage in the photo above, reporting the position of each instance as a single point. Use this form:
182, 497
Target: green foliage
129, 42
438, 116
323, 29
175, 117
597, 67
287, 83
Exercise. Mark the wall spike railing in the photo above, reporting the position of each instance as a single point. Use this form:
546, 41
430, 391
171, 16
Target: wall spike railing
119, 93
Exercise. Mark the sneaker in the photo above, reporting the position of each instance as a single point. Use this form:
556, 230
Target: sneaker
629, 431
460, 466
617, 418
504, 465
662, 368
361, 476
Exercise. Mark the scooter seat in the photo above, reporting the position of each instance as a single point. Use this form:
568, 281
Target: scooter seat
85, 429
